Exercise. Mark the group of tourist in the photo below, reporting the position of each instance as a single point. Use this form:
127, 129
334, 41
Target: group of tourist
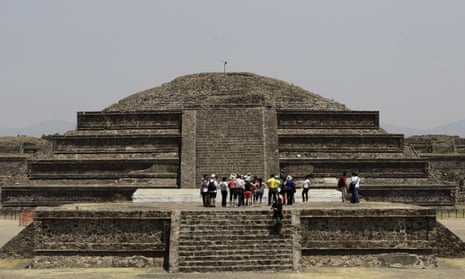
248, 190
351, 189
243, 190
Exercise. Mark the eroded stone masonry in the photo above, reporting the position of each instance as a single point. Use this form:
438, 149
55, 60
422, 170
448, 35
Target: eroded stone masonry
169, 136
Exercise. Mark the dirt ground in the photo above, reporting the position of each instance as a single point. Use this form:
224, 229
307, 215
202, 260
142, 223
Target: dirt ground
447, 268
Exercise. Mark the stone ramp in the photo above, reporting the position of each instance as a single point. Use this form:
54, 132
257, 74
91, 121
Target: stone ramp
457, 226
9, 229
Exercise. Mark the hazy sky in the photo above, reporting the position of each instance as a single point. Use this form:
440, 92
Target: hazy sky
404, 58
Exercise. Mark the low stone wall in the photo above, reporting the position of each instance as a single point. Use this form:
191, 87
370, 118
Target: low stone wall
121, 144
368, 168
387, 236
116, 120
32, 196
292, 143
115, 235
424, 195
298, 119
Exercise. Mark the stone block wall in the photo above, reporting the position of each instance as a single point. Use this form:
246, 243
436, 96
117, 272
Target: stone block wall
367, 237
445, 154
32, 196
450, 168
386, 168
230, 141
104, 169
301, 144
83, 237
10, 165
167, 145
119, 120
296, 119
424, 195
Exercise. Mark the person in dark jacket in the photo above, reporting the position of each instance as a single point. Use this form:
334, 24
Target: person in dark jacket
277, 208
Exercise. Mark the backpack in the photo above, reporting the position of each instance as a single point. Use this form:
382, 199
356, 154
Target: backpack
289, 185
352, 186
340, 183
211, 186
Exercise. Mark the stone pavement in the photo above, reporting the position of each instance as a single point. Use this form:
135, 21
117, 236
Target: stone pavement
193, 195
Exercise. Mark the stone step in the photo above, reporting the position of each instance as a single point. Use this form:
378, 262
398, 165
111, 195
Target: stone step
237, 232
243, 256
230, 268
223, 222
232, 240
119, 155
232, 215
230, 224
254, 252
141, 183
258, 244
228, 231
221, 264
124, 133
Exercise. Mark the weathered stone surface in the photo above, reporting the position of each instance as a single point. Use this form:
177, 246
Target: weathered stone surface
172, 135
184, 237
204, 90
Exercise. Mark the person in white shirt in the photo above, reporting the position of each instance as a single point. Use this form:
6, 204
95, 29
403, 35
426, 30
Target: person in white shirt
356, 180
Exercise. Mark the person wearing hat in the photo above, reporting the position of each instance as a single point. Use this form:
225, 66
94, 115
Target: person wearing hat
212, 188
240, 187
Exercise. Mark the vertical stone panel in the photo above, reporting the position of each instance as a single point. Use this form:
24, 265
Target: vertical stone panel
296, 245
188, 150
271, 155
174, 241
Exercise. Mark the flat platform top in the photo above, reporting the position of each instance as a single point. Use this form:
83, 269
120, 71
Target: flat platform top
189, 206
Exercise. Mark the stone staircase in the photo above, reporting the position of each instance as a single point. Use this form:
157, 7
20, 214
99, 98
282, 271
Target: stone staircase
233, 240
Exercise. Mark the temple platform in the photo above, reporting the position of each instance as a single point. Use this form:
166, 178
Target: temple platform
187, 237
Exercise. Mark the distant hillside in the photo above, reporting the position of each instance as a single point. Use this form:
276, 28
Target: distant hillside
452, 129
37, 130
